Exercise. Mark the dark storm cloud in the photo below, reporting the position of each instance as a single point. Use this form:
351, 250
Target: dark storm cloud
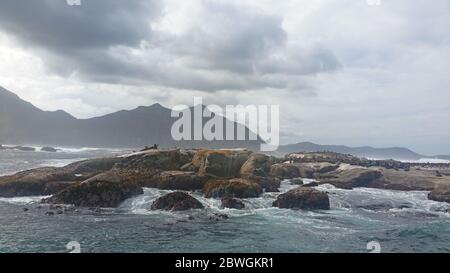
94, 24
112, 41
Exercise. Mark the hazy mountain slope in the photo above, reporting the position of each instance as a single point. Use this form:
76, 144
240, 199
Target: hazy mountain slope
23, 123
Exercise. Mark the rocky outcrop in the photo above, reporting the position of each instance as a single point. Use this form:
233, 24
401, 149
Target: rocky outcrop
412, 180
256, 165
303, 198
353, 177
162, 160
44, 181
237, 187
440, 194
177, 180
220, 163
232, 203
105, 190
32, 183
284, 171
176, 201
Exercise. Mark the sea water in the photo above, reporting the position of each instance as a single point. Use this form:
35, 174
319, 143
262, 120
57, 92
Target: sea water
396, 220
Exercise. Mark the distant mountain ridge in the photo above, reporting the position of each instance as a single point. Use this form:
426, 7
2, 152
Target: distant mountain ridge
23, 123
366, 151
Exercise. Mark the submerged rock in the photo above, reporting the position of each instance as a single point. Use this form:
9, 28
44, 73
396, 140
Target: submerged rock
48, 149
303, 198
440, 194
237, 187
25, 149
232, 203
176, 201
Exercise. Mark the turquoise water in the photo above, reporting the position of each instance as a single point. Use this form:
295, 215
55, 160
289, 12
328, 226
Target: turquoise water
397, 221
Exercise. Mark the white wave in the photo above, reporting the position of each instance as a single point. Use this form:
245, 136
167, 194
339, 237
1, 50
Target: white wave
399, 201
23, 200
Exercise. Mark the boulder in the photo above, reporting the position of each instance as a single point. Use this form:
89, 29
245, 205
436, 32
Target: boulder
440, 194
176, 180
256, 165
303, 198
268, 184
232, 203
237, 187
105, 190
220, 163
284, 171
176, 201
353, 177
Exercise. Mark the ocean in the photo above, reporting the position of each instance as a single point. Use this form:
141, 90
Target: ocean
392, 221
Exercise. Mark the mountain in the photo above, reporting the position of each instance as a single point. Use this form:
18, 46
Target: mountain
369, 152
23, 123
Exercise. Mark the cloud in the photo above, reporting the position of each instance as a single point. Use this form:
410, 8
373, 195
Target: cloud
225, 47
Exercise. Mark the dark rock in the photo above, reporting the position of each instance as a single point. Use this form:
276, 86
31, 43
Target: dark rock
237, 187
104, 190
232, 203
25, 149
176, 201
303, 198
26, 209
296, 181
48, 149
50, 213
440, 194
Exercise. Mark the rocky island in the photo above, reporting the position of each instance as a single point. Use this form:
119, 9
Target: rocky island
229, 175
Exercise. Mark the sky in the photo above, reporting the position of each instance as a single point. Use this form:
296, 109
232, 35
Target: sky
345, 72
